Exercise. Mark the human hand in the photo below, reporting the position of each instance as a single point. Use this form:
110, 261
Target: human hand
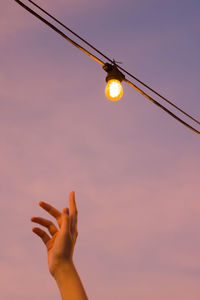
60, 245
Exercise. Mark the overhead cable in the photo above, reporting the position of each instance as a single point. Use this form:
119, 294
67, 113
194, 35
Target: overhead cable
161, 106
59, 32
119, 67
102, 63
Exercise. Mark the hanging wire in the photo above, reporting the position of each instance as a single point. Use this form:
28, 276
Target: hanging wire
102, 63
116, 63
161, 106
60, 32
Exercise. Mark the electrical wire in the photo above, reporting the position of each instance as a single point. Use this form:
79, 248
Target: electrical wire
59, 32
161, 106
102, 63
90, 45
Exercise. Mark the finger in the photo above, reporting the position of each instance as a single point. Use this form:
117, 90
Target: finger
44, 222
72, 204
42, 234
73, 213
74, 224
65, 227
50, 209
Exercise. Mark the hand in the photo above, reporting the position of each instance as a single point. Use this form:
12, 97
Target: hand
60, 245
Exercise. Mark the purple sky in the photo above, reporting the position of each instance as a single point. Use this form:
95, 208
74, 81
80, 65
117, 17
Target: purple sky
135, 170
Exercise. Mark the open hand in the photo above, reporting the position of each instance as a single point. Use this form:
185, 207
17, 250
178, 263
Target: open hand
60, 244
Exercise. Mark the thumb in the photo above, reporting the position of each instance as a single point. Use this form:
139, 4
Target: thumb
65, 220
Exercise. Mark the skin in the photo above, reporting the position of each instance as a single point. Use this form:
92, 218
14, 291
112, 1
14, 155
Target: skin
60, 244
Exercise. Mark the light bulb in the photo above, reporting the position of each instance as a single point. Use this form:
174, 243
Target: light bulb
114, 90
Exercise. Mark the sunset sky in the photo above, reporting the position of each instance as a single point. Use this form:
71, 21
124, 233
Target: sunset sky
134, 168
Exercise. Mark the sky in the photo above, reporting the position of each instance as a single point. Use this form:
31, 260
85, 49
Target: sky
134, 169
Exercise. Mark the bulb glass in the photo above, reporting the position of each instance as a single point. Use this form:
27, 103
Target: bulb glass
114, 90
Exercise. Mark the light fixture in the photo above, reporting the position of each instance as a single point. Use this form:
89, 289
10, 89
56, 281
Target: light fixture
114, 89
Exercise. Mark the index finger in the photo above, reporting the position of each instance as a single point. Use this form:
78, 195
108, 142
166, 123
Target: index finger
50, 209
72, 204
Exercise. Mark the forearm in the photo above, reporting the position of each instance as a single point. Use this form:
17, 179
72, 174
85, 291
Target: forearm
69, 283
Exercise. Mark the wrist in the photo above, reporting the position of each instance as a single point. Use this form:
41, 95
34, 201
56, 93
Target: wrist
69, 282
63, 269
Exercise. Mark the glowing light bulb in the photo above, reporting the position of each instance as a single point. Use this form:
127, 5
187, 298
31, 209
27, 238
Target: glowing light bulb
113, 90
